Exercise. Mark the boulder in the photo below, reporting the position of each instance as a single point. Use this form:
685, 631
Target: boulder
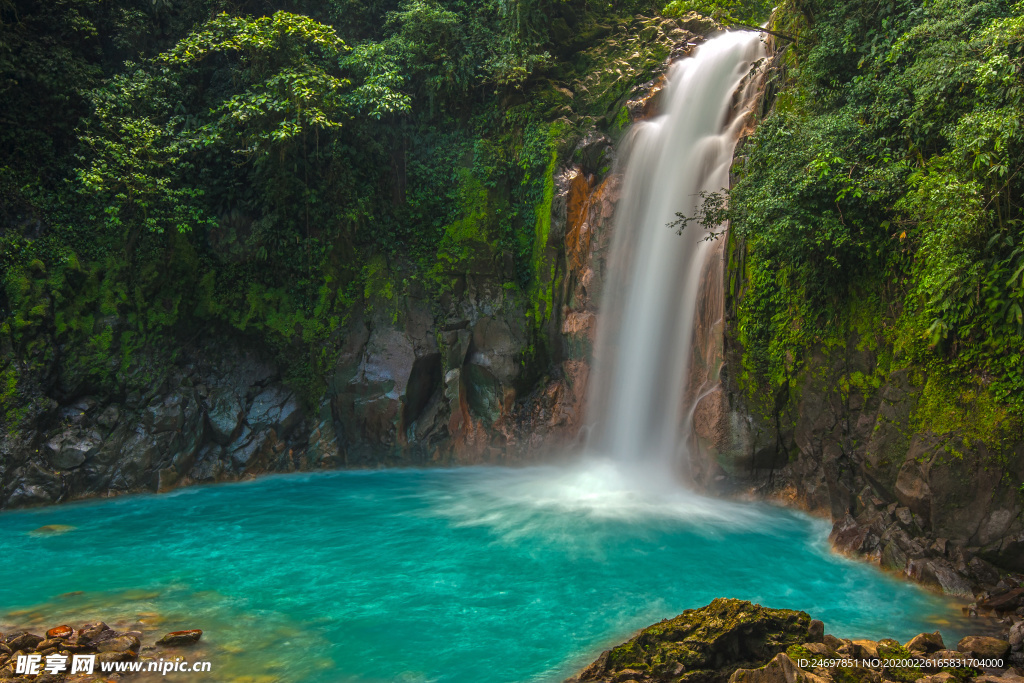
122, 643
926, 643
1016, 638
64, 631
94, 632
779, 670
1004, 602
984, 647
116, 656
709, 644
179, 638
23, 641
866, 649
816, 631
941, 677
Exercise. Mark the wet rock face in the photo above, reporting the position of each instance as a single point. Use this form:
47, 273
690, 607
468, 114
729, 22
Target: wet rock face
224, 413
934, 507
224, 418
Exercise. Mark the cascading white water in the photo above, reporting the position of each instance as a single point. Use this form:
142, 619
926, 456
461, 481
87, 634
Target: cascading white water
636, 403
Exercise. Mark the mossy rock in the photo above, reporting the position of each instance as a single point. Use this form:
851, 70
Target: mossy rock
704, 645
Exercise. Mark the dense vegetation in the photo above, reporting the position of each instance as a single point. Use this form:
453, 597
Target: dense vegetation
170, 170
176, 169
881, 197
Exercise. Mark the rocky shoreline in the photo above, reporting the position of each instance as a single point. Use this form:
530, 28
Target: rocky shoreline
79, 655
727, 641
734, 641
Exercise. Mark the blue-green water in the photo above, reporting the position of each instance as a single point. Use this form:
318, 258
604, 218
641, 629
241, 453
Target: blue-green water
481, 574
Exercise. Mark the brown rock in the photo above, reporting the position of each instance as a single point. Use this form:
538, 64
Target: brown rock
926, 642
93, 632
126, 656
24, 641
947, 654
779, 670
866, 649
64, 631
176, 638
984, 647
941, 677
1004, 602
831, 642
121, 643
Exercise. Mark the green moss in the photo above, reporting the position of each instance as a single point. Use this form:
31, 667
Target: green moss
10, 407
465, 245
544, 266
950, 406
379, 289
890, 649
798, 652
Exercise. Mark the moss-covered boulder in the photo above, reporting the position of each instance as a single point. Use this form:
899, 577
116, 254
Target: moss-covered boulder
703, 645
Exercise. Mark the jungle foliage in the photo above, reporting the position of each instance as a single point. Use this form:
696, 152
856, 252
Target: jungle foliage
174, 169
882, 195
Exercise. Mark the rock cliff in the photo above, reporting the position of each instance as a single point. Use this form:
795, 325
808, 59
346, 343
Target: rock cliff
481, 374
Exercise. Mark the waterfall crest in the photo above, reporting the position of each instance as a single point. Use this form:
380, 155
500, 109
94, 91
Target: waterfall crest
638, 401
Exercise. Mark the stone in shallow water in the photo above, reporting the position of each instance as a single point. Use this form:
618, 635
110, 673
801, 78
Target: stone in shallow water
63, 631
175, 638
122, 643
24, 641
93, 632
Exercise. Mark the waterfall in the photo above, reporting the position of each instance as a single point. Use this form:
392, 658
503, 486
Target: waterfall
638, 402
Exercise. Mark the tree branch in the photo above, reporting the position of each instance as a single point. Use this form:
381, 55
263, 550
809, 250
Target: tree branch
748, 27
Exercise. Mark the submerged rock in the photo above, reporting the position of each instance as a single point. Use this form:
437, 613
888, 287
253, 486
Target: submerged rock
178, 638
51, 530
